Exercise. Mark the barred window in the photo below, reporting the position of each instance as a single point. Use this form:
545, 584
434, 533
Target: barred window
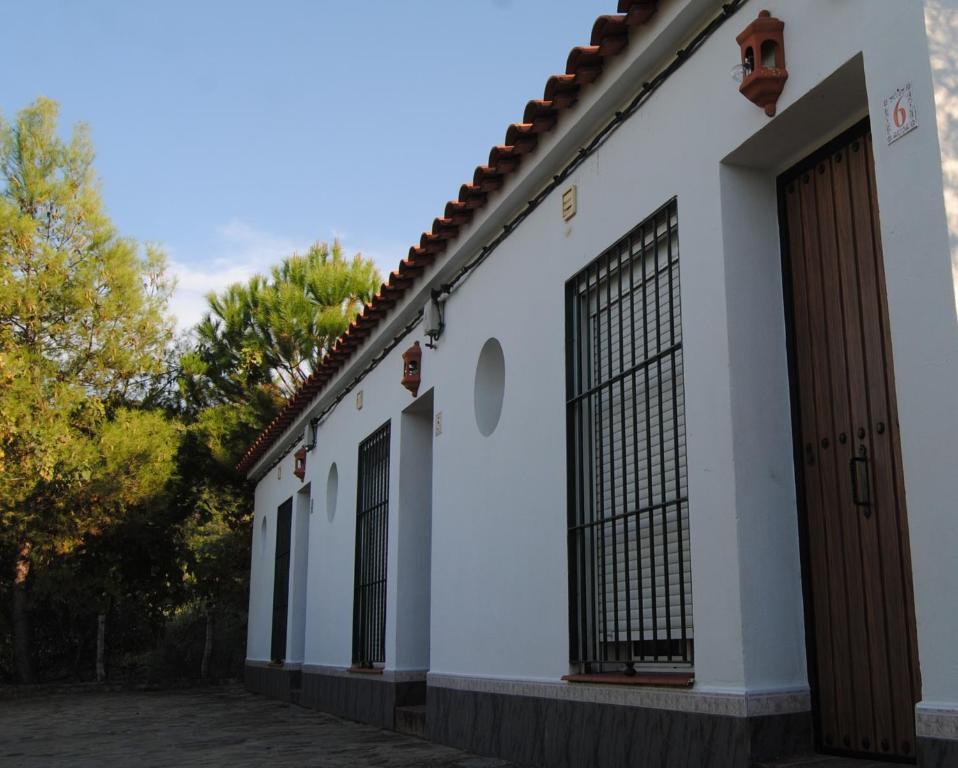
629, 560
372, 530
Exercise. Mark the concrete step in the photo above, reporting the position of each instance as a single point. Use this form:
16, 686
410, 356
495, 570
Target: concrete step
411, 720
820, 761
294, 695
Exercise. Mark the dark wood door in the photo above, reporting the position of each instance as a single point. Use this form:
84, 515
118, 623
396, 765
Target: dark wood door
858, 581
284, 519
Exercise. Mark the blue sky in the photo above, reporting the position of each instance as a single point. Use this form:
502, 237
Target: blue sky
234, 133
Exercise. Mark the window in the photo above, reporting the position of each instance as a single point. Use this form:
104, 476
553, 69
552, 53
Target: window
332, 491
372, 525
630, 576
490, 386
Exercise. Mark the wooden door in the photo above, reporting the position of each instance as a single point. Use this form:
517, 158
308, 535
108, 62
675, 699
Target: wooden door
858, 582
284, 521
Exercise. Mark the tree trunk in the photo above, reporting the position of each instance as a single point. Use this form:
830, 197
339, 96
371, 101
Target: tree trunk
77, 658
208, 644
100, 647
22, 631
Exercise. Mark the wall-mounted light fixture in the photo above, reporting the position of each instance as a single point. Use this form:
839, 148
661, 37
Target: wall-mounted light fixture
299, 463
311, 429
412, 368
763, 72
433, 319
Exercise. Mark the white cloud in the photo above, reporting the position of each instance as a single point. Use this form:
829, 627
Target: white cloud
194, 283
239, 251
255, 244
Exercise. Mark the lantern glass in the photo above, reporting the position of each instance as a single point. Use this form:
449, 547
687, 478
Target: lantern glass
769, 54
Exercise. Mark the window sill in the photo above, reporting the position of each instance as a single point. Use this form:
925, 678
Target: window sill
660, 679
365, 671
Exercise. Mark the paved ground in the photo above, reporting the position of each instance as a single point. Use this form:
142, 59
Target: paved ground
201, 727
821, 761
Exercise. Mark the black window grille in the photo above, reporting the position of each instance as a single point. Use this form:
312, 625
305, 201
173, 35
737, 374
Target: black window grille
372, 521
629, 562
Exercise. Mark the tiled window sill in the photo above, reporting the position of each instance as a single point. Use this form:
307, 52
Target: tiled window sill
365, 670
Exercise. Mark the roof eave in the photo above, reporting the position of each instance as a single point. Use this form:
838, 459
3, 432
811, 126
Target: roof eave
621, 78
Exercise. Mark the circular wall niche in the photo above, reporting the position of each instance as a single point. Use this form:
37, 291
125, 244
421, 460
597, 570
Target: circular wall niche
490, 386
332, 492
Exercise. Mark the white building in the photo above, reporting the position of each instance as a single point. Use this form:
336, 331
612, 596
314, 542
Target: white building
652, 505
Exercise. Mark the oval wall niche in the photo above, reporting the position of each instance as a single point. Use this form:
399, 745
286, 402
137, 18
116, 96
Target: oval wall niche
490, 386
332, 492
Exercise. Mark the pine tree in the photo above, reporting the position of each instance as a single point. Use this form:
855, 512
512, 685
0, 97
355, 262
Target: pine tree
268, 335
83, 330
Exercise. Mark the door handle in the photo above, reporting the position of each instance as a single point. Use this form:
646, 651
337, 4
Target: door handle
861, 481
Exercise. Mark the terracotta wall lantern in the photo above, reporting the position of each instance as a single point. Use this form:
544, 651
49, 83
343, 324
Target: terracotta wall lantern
299, 463
763, 61
412, 368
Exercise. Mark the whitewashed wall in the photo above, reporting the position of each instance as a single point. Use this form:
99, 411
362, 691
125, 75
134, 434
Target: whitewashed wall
499, 577
279, 485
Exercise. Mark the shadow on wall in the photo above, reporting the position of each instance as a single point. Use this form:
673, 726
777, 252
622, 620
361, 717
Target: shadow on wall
941, 23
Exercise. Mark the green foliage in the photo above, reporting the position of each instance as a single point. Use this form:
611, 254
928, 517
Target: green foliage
216, 504
267, 336
177, 651
84, 338
131, 570
76, 297
135, 458
82, 331
118, 493
257, 343
42, 424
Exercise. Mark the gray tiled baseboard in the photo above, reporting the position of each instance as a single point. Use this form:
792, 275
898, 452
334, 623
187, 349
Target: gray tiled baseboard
565, 726
571, 734
270, 680
937, 753
365, 698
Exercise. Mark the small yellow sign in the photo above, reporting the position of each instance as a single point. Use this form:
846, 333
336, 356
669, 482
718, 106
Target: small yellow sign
568, 203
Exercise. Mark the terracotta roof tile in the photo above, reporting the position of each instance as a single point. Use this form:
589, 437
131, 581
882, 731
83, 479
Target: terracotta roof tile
611, 34
541, 114
583, 66
472, 196
407, 267
431, 243
521, 137
562, 91
638, 11
504, 158
487, 178
445, 228
585, 63
458, 212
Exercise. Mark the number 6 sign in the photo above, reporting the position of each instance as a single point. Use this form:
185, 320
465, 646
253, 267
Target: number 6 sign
900, 117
